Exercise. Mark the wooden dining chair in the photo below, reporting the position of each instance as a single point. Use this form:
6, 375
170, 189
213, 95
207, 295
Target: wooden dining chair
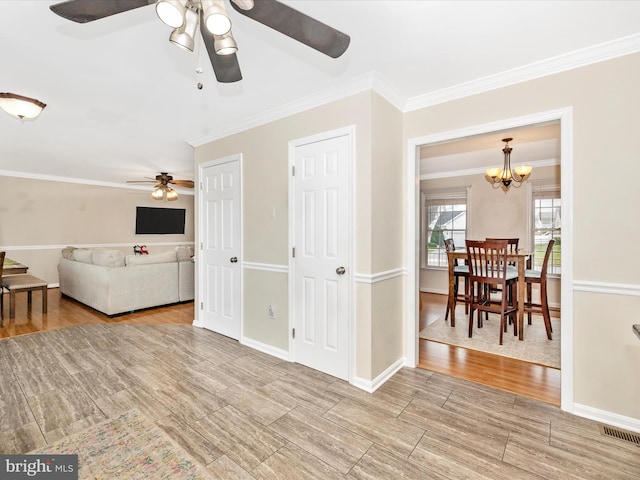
539, 277
487, 261
512, 247
459, 271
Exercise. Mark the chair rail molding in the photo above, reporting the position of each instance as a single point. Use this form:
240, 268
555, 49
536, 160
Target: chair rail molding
606, 287
266, 267
380, 276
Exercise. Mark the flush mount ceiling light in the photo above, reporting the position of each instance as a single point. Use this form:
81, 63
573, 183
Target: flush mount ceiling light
213, 21
506, 176
21, 107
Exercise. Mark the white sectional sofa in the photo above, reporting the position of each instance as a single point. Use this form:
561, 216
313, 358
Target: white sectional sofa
113, 283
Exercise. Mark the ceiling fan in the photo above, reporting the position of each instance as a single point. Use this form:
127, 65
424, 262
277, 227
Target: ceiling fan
185, 16
163, 189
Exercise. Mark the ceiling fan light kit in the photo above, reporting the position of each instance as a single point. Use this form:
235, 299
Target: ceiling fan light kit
21, 107
163, 190
215, 17
506, 176
171, 12
184, 36
225, 44
212, 16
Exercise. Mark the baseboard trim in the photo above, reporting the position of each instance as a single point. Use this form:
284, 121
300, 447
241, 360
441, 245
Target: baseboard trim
265, 348
371, 386
609, 418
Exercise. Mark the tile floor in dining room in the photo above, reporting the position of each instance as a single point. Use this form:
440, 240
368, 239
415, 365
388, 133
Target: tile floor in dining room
290, 421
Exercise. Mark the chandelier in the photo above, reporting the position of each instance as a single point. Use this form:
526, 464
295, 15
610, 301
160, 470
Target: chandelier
506, 176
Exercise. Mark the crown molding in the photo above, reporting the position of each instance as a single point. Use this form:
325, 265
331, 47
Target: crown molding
560, 63
81, 181
369, 81
373, 81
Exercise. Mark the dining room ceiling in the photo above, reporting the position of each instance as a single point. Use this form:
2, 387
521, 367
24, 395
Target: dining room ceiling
123, 103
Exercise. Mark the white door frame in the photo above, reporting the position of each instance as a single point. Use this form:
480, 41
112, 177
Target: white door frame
349, 131
412, 247
198, 245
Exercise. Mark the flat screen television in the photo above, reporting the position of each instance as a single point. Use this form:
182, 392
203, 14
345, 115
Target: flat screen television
152, 220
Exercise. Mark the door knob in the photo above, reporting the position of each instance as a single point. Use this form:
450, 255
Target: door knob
340, 270
233, 259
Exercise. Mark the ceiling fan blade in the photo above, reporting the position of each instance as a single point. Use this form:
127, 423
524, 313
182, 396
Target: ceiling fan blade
83, 11
142, 181
225, 67
298, 26
183, 183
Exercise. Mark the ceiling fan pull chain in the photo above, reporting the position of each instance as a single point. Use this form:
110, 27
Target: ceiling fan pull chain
199, 84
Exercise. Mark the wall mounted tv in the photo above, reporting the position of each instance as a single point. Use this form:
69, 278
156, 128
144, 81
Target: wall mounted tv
152, 220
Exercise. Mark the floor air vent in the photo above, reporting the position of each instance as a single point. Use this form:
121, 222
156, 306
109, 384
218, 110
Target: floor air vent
620, 434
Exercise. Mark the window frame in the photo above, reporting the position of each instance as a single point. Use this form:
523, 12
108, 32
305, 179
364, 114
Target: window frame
449, 196
549, 190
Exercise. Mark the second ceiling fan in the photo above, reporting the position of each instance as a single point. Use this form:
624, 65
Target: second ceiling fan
211, 17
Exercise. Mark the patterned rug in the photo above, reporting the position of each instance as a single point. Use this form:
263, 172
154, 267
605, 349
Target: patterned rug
535, 347
127, 447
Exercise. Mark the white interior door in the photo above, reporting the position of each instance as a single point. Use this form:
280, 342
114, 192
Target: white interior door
220, 233
321, 205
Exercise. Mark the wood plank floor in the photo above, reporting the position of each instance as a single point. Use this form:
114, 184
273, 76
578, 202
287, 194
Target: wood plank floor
523, 378
511, 375
242, 414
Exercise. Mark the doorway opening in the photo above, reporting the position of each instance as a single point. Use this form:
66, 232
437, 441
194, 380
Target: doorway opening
442, 141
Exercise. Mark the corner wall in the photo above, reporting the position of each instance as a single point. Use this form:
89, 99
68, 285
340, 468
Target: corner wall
378, 178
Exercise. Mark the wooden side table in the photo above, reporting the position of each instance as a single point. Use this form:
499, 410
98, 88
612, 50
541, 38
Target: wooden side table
11, 267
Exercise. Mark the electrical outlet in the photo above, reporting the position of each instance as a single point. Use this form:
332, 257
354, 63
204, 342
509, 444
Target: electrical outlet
272, 311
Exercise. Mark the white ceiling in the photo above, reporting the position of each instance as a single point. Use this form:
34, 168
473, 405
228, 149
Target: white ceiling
122, 102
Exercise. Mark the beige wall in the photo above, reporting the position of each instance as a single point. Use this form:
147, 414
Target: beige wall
492, 213
378, 195
387, 236
605, 100
39, 217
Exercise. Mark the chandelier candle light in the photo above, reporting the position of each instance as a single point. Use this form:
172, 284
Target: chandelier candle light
506, 176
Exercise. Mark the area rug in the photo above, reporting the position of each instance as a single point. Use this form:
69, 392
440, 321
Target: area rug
127, 447
535, 347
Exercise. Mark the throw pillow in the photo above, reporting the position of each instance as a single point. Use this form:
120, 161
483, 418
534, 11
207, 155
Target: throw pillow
67, 252
168, 256
108, 258
83, 255
183, 253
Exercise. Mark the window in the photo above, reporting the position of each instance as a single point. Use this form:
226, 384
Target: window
444, 215
547, 216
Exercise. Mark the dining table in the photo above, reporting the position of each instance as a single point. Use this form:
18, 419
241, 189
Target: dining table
521, 258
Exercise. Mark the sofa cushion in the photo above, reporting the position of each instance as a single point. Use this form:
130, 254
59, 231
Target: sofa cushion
83, 255
108, 258
168, 256
67, 252
183, 253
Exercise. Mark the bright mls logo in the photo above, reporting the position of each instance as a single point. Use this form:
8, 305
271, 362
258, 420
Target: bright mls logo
49, 467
